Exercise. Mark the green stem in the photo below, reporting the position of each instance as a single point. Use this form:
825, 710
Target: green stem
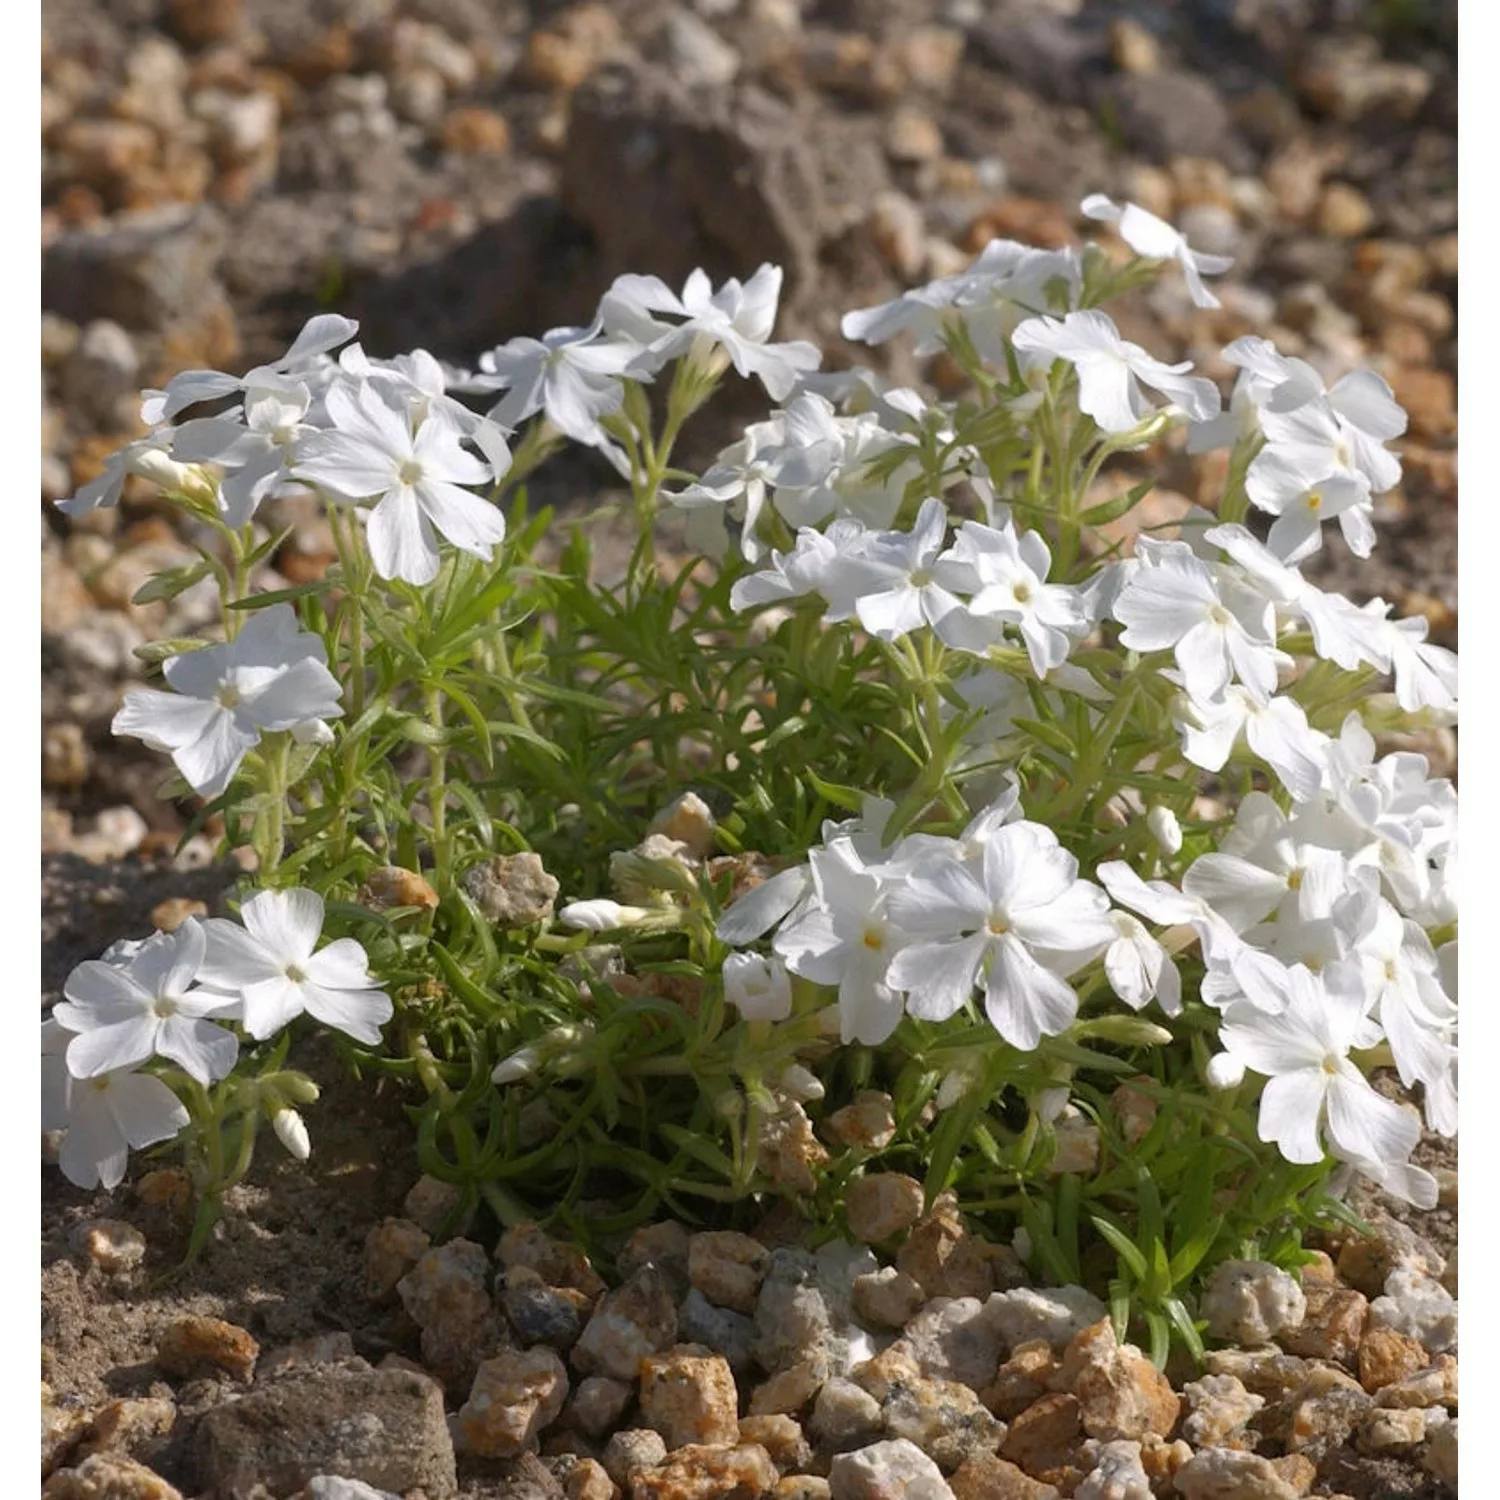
437, 792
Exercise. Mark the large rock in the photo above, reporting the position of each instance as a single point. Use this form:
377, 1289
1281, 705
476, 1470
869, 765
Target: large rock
385, 1427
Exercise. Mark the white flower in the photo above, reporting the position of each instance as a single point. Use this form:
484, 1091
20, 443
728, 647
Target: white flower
758, 987
412, 478
145, 456
291, 1131
821, 562
1018, 927
737, 319
1157, 240
270, 677
1139, 968
1276, 730
270, 965
1111, 370
1303, 1052
124, 1014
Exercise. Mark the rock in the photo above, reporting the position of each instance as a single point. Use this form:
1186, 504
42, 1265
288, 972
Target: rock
1116, 1475
789, 1390
1440, 1458
1028, 1374
385, 1427
637, 1319
663, 1245
392, 1248
542, 1314
781, 1436
317, 1349
1121, 1393
728, 1268
63, 1428
1251, 1301
103, 368
199, 22
988, 1477
898, 231
1430, 399
1219, 1406
169, 915
878, 1207
109, 1476
699, 57
1366, 1263
117, 831
588, 1480
145, 270
568, 51
515, 1395
893, 1470
1344, 76
1386, 1356
557, 1263
475, 131
887, 1298
1390, 1430
1323, 1412
704, 1473
728, 1333
954, 1339
688, 1395
793, 1320
103, 643
128, 1424
844, 1416
110, 1244
1171, 113
1228, 1474
1344, 211
911, 135
1052, 58
943, 1258
194, 1341
943, 1418
868, 1124
1419, 1307
390, 887
1055, 1314
447, 1295
512, 890
802, 1486
1045, 1436
431, 1202
788, 1149
598, 1404
634, 1451
1333, 1326
1437, 1386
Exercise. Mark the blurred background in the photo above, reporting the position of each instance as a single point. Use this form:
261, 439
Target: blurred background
456, 172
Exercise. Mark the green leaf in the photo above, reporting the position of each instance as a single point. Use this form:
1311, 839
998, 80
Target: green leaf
1112, 510
279, 596
1182, 1321
1123, 1246
172, 582
159, 651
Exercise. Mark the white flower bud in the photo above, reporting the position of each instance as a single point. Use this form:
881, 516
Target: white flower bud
602, 915
1165, 828
1225, 1071
800, 1084
291, 1132
520, 1064
153, 464
953, 1087
759, 987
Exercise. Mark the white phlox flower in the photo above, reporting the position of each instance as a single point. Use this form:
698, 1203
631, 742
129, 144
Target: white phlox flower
1276, 730
1112, 370
735, 485
1019, 929
148, 457
270, 677
411, 479
1312, 1085
826, 563
1139, 969
1217, 627
757, 986
1164, 904
270, 966
1155, 239
125, 1014
737, 319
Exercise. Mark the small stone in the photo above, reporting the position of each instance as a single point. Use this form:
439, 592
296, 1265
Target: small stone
542, 1314
1430, 399
1116, 1474
1219, 1406
1440, 1457
728, 1268
632, 1452
942, 1418
512, 890
688, 1395
1344, 211
887, 1298
794, 1322
129, 1423
663, 1245
1046, 1436
988, 1477
930, 56
589, 1480
111, 1244
637, 1319
1297, 1470
941, 1255
1366, 1263
788, 1149
954, 1338
515, 1395
1419, 1307
598, 1404
1324, 1411
109, 1476
195, 1341
199, 22
802, 1487
698, 56
880, 1206
1386, 1356
781, 1436
392, 1248
788, 1391
1055, 1314
899, 232
170, 914
1437, 1386
893, 1470
391, 887
63, 1428
569, 50
1026, 1376
1132, 48
168, 1188
1333, 1326
316, 1349
844, 1416
475, 131
1121, 1393
557, 1263
1391, 1430
911, 135
1345, 77
718, 1328
1251, 1301
447, 1295
430, 1203
703, 1473
1229, 1474
868, 1124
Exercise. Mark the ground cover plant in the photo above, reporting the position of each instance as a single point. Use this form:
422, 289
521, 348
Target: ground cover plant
1072, 875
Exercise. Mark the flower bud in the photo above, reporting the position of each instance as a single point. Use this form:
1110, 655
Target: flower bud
1225, 1071
800, 1084
759, 987
291, 1132
1165, 828
602, 915
953, 1087
520, 1064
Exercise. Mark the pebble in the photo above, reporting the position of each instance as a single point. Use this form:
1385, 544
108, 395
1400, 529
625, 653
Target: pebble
557, 1263
727, 1268
1229, 1474
568, 51
704, 1473
475, 131
632, 1452
789, 1150
802, 1487
1121, 1393
515, 1395
129, 1423
1390, 1430
194, 1341
117, 831
588, 1480
1116, 1474
954, 1338
887, 1298
1251, 1301
943, 1258
1333, 1326
637, 1319
1055, 1314
1440, 1457
63, 1428
447, 1295
781, 1436
663, 1245
1346, 77
598, 1404
1437, 1386
899, 232
102, 368
109, 1476
1045, 1436
912, 135
943, 1418
391, 887
512, 890
892, 1470
1420, 1307
169, 915
1028, 1374
845, 1415
1344, 211
316, 1349
788, 1391
1323, 1412
698, 56
392, 1248
878, 1207
988, 1477
688, 1395
868, 1124
1366, 1263
67, 760
1386, 1356
793, 1321
1219, 1406
720, 1329
1132, 48
542, 1314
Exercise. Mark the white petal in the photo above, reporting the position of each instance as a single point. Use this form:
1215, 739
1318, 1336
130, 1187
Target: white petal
401, 540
